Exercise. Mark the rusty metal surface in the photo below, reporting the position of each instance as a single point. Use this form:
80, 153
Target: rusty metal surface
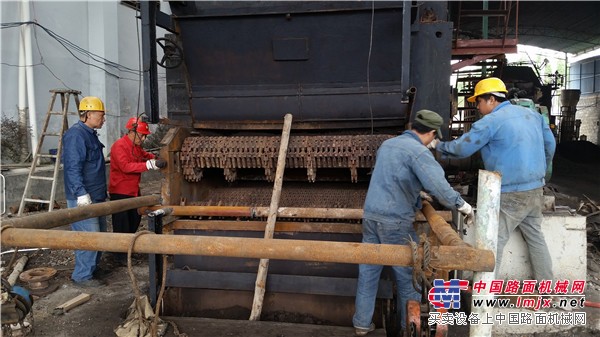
294, 194
260, 152
413, 318
292, 213
259, 226
443, 257
297, 308
68, 215
37, 278
444, 233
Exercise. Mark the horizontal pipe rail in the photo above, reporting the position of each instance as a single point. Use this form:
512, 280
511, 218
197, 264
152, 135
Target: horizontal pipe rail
282, 212
66, 216
443, 257
259, 226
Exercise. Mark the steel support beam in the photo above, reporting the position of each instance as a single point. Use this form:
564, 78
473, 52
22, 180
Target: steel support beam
443, 257
148, 16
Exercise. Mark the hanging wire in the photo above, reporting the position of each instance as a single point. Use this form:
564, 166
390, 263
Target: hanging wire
369, 64
42, 56
71, 47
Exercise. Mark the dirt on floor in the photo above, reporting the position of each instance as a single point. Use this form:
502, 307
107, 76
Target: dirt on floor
576, 186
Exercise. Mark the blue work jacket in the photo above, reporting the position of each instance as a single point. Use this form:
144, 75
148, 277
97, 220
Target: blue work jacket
84, 165
514, 141
403, 168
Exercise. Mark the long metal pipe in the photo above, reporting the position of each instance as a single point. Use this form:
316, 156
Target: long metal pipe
282, 212
440, 227
62, 217
443, 257
486, 237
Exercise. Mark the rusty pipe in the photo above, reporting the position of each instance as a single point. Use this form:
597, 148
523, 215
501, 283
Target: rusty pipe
282, 212
66, 216
443, 257
440, 227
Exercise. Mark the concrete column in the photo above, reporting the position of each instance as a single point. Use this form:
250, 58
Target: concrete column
103, 32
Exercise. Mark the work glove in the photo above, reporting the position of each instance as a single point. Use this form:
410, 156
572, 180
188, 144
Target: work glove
467, 211
84, 200
151, 164
433, 143
425, 196
155, 164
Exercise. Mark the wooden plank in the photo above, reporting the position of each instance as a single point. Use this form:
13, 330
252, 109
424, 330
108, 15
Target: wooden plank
261, 277
72, 303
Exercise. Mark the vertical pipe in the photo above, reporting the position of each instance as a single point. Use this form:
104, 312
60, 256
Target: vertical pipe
406, 33
154, 261
26, 31
22, 98
566, 81
484, 32
148, 17
486, 237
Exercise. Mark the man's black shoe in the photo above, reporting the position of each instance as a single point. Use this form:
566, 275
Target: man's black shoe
91, 283
101, 272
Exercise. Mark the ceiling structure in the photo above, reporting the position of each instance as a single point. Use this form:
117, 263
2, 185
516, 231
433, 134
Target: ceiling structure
566, 26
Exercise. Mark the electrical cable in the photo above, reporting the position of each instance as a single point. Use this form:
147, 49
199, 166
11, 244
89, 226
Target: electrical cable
40, 52
369, 64
137, 29
68, 45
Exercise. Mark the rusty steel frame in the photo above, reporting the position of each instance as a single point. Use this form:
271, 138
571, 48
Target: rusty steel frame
443, 257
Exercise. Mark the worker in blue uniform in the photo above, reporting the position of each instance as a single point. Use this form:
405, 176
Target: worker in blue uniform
516, 142
404, 167
85, 182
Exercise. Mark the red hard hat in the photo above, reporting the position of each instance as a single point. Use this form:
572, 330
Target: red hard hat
134, 124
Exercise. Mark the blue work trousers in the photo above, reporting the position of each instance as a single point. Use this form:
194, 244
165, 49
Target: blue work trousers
523, 210
368, 277
86, 261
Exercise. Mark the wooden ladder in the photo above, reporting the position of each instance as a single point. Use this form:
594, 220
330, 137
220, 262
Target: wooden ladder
65, 98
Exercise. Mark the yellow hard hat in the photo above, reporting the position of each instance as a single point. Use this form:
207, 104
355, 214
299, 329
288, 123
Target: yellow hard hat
488, 86
91, 103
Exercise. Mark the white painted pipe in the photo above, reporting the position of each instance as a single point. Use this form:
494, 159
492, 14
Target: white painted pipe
22, 96
26, 31
22, 250
18, 269
486, 237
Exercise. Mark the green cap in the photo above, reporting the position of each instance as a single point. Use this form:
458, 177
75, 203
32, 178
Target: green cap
430, 119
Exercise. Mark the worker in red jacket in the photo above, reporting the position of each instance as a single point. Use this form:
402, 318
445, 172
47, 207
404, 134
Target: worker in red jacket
127, 162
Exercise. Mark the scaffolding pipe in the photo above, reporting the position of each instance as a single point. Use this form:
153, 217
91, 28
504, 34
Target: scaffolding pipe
446, 234
442, 257
66, 216
486, 237
282, 212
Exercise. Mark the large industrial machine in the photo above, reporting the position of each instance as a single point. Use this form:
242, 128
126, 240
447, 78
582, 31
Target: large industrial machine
350, 73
